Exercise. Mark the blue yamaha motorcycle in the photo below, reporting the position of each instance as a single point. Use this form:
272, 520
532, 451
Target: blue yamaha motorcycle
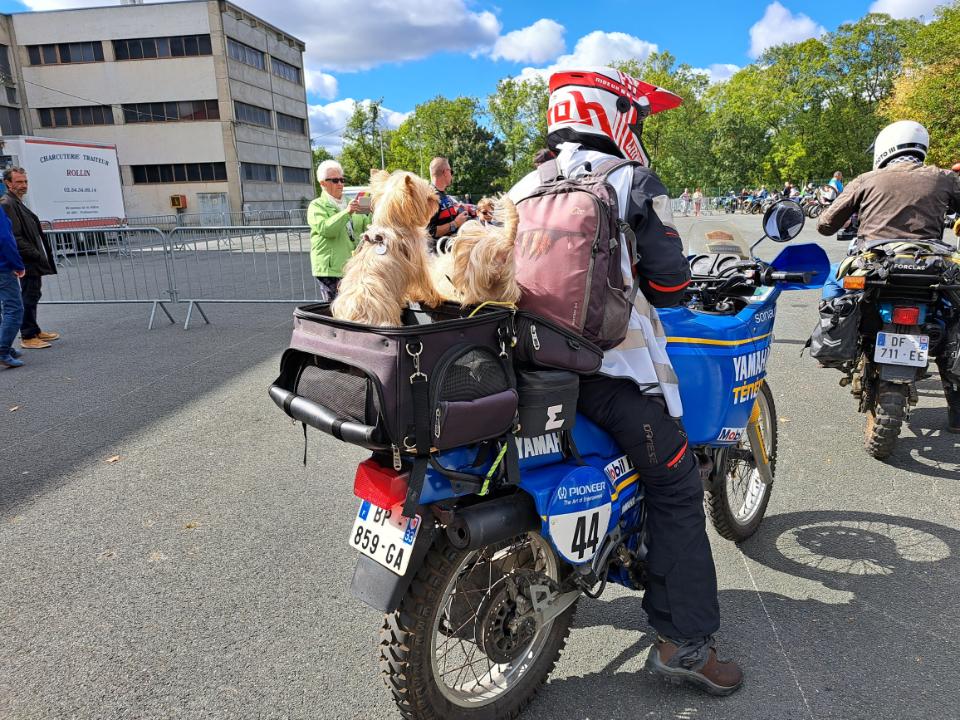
479, 590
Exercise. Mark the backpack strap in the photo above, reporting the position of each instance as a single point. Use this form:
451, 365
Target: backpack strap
603, 170
549, 171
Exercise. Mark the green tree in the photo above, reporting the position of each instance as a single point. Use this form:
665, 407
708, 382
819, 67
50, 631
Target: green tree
678, 140
928, 90
365, 142
518, 115
451, 128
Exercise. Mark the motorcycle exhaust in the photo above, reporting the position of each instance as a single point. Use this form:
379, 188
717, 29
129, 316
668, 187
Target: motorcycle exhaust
493, 521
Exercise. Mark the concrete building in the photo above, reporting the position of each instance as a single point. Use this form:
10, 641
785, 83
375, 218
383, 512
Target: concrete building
201, 98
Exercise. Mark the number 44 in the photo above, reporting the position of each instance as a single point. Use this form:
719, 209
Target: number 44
582, 538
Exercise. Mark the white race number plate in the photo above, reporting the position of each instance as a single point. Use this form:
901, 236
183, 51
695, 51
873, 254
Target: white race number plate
384, 536
894, 349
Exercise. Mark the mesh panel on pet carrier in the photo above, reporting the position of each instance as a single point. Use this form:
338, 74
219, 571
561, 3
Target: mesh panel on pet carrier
349, 394
473, 375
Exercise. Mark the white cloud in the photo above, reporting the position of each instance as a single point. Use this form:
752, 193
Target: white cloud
718, 72
906, 8
360, 34
320, 84
779, 26
537, 43
328, 121
596, 49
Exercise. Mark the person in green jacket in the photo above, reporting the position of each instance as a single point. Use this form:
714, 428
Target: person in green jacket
335, 228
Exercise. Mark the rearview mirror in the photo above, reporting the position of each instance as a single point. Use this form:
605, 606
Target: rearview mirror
783, 221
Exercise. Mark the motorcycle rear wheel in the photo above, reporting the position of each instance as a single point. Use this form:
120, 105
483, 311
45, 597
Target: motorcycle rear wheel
885, 419
739, 499
453, 608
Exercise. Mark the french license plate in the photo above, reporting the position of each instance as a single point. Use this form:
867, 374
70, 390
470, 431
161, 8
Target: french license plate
385, 536
895, 349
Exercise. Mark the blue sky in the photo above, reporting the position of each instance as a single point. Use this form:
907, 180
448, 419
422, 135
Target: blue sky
408, 51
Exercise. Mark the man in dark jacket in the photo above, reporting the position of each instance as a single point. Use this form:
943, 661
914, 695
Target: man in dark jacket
900, 199
11, 302
36, 253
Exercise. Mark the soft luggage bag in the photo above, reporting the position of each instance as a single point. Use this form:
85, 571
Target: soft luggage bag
545, 344
548, 401
835, 339
568, 254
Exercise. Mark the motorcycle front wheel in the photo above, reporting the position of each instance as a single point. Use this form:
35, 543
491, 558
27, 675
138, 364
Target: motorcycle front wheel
739, 499
463, 645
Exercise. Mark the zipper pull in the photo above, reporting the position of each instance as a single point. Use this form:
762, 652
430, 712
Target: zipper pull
436, 427
533, 336
397, 465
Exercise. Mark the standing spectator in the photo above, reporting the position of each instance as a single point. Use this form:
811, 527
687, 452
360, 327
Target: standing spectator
697, 201
11, 301
37, 255
334, 229
836, 182
448, 217
685, 201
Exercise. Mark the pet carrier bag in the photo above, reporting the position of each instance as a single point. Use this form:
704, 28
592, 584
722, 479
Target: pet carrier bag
545, 344
437, 382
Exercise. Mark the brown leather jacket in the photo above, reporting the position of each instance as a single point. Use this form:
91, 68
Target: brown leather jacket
902, 201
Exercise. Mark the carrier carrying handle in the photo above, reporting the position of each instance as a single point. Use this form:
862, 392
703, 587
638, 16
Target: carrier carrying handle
321, 418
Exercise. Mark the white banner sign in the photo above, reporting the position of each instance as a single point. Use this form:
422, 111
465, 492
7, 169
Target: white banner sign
72, 181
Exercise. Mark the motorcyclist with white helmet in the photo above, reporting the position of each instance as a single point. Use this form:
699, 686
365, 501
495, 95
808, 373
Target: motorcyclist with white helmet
900, 199
596, 115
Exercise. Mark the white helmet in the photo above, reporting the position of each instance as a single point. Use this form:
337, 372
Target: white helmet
604, 109
904, 137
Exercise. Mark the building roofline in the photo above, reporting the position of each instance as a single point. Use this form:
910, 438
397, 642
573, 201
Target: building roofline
169, 2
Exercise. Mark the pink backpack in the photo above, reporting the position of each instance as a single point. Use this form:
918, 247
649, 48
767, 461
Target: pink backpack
568, 254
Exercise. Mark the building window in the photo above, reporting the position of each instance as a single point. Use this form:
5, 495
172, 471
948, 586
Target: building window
179, 172
162, 47
5, 64
296, 175
76, 116
291, 124
171, 111
10, 121
11, 95
286, 70
63, 53
245, 54
252, 114
255, 172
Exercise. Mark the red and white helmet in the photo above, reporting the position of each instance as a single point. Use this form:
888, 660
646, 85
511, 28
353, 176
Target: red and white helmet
604, 109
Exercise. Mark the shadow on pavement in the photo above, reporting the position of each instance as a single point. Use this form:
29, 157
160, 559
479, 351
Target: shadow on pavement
886, 650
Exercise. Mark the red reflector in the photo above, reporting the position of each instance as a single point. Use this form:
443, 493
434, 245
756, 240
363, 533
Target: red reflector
384, 487
906, 315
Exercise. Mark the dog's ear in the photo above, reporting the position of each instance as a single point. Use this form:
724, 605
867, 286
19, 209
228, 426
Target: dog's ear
378, 175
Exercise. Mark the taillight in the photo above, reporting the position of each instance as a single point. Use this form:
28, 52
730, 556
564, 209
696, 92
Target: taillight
906, 315
383, 486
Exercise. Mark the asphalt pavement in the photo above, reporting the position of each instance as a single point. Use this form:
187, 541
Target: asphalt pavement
165, 553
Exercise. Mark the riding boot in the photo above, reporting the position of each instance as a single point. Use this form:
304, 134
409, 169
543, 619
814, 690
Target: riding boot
953, 409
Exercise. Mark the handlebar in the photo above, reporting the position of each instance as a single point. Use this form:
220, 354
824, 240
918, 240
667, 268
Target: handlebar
791, 277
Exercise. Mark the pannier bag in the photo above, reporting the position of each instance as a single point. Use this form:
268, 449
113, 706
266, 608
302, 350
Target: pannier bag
439, 381
835, 338
548, 401
545, 344
568, 253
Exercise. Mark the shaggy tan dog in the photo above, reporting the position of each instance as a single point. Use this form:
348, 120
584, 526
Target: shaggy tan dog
389, 268
478, 265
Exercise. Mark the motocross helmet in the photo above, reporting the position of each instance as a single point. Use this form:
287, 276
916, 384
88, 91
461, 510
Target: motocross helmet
904, 137
603, 109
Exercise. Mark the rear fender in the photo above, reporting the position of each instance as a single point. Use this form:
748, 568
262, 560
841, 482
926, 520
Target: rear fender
901, 374
382, 589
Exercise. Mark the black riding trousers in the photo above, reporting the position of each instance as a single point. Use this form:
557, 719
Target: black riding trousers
681, 597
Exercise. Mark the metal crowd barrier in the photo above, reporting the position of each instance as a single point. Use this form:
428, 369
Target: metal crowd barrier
241, 264
225, 219
111, 265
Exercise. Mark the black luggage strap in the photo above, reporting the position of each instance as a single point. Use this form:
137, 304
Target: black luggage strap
420, 390
569, 447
